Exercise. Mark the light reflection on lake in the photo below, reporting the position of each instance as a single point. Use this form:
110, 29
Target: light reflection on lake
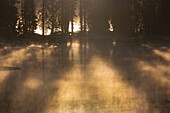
84, 76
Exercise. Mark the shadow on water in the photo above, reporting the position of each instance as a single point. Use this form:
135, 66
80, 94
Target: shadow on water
3, 68
144, 66
86, 75
36, 86
27, 89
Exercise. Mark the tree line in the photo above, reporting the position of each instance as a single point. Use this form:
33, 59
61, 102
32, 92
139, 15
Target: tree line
128, 17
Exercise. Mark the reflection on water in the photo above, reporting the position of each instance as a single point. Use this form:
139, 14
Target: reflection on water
100, 90
3, 74
165, 55
83, 77
32, 83
159, 72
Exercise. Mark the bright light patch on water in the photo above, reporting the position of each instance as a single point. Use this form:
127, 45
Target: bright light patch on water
3, 76
8, 61
165, 55
158, 72
103, 87
68, 44
114, 42
76, 45
32, 83
35, 46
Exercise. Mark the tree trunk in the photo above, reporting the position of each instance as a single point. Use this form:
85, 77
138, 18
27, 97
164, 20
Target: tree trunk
81, 16
62, 16
85, 28
72, 16
52, 28
43, 20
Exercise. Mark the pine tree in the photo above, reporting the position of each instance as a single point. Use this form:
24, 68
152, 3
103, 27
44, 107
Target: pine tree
164, 16
99, 17
43, 18
29, 17
8, 17
67, 14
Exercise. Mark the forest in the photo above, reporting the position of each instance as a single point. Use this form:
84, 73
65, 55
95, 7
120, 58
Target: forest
84, 56
62, 17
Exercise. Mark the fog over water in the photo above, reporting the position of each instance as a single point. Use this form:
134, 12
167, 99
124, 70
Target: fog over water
84, 76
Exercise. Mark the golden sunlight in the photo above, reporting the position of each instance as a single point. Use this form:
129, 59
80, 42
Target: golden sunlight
48, 31
32, 83
110, 26
158, 72
103, 86
3, 76
9, 59
165, 55
76, 27
39, 31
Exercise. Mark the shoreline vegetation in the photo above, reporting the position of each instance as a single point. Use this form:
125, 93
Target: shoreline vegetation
90, 18
59, 39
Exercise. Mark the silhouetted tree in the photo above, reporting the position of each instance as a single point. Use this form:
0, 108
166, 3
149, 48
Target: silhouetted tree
81, 16
53, 14
8, 17
51, 11
67, 14
73, 5
99, 17
43, 18
164, 16
29, 17
83, 9
128, 17
122, 17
